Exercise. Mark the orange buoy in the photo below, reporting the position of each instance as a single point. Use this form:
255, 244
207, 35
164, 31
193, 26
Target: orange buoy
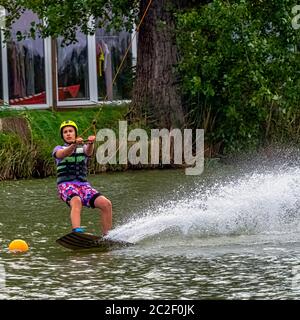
18, 245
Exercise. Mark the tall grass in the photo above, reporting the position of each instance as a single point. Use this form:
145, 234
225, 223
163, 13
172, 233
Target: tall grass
17, 160
24, 159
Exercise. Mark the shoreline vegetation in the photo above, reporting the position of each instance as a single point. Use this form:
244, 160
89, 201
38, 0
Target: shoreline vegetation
28, 137
238, 80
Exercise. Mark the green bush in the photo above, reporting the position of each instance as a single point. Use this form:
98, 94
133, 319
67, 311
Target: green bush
240, 71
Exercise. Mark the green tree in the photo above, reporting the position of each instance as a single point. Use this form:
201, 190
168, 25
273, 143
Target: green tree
240, 71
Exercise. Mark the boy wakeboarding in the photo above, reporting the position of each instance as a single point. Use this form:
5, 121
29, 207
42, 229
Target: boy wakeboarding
72, 184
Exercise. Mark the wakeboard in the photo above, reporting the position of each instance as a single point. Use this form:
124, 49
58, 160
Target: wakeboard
79, 241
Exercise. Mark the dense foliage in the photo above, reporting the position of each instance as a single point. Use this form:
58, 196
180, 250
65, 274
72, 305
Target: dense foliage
64, 18
239, 66
240, 71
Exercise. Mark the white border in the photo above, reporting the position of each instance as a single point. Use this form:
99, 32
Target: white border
4, 69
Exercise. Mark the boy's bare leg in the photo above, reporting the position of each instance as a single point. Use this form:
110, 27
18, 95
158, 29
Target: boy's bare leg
105, 207
76, 207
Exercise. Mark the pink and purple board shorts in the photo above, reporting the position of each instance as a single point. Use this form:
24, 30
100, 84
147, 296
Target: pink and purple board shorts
87, 194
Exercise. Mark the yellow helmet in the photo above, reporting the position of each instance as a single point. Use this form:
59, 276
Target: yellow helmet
68, 123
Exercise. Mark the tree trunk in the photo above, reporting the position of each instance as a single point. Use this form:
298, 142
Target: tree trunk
156, 94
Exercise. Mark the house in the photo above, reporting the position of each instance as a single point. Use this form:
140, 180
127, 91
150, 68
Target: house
40, 73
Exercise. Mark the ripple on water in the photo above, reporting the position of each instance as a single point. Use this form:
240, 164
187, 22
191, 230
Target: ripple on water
233, 240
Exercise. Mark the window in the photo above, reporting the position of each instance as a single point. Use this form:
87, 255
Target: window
73, 72
85, 70
110, 50
26, 65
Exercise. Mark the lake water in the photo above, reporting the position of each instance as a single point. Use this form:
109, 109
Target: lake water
227, 234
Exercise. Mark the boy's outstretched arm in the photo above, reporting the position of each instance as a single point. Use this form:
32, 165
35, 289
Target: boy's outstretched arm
90, 146
62, 153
